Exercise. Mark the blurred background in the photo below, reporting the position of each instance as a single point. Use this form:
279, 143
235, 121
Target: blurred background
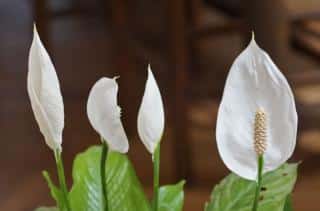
190, 44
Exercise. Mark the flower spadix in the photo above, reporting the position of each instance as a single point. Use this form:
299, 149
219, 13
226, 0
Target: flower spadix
44, 93
151, 115
104, 114
260, 132
257, 115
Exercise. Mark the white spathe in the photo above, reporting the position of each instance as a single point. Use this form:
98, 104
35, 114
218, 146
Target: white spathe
254, 82
45, 95
151, 115
105, 115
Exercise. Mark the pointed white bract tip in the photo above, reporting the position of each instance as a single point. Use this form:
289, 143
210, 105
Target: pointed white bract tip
35, 31
253, 44
149, 68
255, 82
44, 93
105, 115
151, 114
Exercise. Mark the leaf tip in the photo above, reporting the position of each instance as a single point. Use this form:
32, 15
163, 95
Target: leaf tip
45, 174
182, 182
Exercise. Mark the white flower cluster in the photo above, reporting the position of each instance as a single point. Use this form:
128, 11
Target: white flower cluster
102, 107
254, 82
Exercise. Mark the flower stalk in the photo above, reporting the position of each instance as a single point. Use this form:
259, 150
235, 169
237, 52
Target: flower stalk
103, 161
156, 173
258, 187
62, 180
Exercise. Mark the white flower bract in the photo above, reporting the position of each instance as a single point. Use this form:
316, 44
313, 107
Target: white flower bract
151, 115
255, 82
105, 115
45, 95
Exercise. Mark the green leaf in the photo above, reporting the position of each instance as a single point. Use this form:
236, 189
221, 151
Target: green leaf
47, 209
288, 205
236, 194
171, 197
124, 190
56, 193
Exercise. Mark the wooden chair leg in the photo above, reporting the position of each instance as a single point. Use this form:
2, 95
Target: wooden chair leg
178, 62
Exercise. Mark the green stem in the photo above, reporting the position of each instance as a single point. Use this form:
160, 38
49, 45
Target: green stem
62, 179
258, 188
156, 171
103, 161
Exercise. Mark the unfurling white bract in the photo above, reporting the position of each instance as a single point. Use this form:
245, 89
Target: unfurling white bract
104, 114
257, 115
151, 115
45, 95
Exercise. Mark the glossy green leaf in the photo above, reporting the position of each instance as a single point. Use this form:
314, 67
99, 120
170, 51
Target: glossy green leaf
56, 193
171, 197
236, 194
47, 209
123, 187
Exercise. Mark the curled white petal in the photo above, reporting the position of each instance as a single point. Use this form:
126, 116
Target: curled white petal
44, 93
255, 82
104, 114
151, 115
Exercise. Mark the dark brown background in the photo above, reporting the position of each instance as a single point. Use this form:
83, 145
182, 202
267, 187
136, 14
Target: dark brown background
190, 44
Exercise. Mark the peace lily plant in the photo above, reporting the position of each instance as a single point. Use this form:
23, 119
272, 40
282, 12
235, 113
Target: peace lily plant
151, 126
256, 134
257, 118
47, 105
104, 115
